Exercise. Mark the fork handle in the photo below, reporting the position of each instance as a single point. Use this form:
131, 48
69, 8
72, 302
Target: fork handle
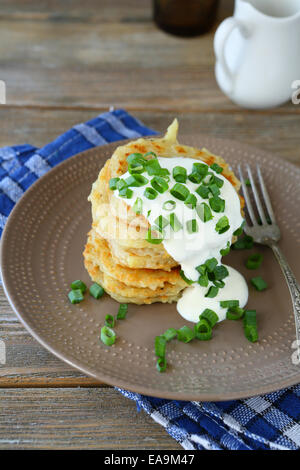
292, 284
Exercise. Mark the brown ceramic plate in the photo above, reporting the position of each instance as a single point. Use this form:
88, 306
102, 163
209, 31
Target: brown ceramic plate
41, 254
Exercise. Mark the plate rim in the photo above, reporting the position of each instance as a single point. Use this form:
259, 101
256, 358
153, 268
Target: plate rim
102, 377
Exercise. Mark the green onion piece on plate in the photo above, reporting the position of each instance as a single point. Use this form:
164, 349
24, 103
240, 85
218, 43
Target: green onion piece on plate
213, 188
122, 312
179, 174
254, 261
226, 250
203, 191
161, 364
75, 296
136, 168
136, 180
96, 291
78, 285
121, 184
235, 313
211, 264
107, 336
185, 334
217, 204
239, 231
136, 158
250, 325
210, 316
244, 243
203, 330
110, 321
170, 334
259, 283
160, 346
220, 272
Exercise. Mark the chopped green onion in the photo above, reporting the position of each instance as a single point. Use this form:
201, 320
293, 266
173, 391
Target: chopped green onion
244, 243
203, 191
136, 168
214, 189
153, 168
204, 212
107, 336
188, 281
259, 283
169, 205
217, 168
136, 158
220, 272
218, 283
240, 230
217, 204
203, 280
191, 201
211, 264
78, 285
254, 261
174, 222
210, 316
136, 180
235, 313
180, 191
110, 321
212, 292
150, 153
226, 250
161, 222
222, 225
217, 181
179, 174
122, 312
150, 193
150, 239
250, 325
160, 346
161, 364
248, 182
192, 226
202, 268
229, 303
170, 334
159, 184
121, 185
96, 291
185, 334
113, 183
203, 330
126, 193
138, 206
199, 171
75, 296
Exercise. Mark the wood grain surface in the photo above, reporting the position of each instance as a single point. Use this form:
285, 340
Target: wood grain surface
64, 63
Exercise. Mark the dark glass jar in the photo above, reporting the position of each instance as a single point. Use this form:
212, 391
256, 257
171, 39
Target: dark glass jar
185, 17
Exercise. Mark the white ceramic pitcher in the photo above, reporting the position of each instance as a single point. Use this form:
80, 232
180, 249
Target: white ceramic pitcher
258, 52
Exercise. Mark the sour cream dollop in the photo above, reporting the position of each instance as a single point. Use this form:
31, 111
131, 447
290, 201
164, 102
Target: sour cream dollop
193, 249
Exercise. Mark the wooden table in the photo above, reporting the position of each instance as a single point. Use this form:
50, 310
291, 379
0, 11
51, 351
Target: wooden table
63, 63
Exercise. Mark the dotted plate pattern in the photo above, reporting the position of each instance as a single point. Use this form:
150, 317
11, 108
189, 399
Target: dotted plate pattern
41, 254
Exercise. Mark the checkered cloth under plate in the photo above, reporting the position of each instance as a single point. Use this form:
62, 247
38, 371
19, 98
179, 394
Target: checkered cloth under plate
266, 422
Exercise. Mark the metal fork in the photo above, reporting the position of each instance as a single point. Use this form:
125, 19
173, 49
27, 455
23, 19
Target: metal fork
267, 233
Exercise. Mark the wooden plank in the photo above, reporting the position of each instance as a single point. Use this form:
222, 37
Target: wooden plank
275, 133
76, 419
112, 61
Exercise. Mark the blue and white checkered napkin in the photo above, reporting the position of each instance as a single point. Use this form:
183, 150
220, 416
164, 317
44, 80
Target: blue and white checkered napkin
267, 422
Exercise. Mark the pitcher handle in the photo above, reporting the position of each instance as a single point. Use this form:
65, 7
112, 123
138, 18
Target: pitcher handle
220, 40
